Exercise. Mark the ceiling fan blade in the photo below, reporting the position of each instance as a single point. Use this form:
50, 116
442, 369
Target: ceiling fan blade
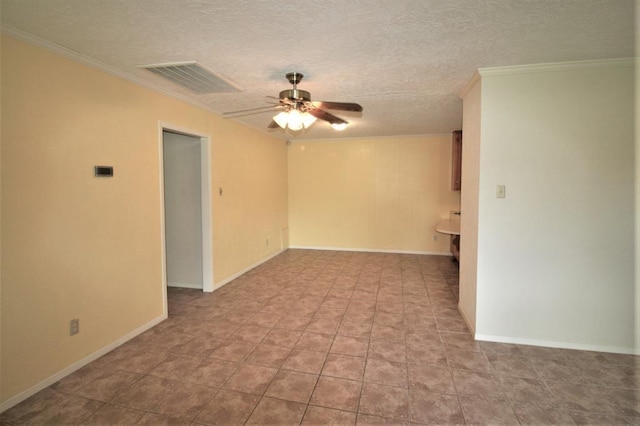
324, 115
342, 106
252, 110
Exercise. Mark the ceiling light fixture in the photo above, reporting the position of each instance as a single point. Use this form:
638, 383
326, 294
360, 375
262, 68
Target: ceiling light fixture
339, 126
294, 120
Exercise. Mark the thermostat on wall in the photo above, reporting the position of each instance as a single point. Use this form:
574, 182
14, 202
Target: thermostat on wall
103, 171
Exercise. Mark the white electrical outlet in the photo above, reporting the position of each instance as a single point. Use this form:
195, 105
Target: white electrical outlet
435, 238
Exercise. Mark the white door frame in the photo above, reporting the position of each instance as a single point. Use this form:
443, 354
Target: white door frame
206, 197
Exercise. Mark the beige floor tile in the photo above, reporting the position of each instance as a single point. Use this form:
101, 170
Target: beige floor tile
430, 378
478, 410
228, 408
292, 386
468, 360
322, 415
314, 342
212, 372
385, 401
435, 408
353, 346
323, 326
390, 351
176, 366
341, 394
344, 366
268, 355
283, 337
184, 400
114, 415
471, 383
152, 419
251, 379
386, 372
146, 394
272, 411
305, 361
233, 350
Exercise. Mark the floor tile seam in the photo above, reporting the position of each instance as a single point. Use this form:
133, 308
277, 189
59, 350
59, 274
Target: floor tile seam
543, 405
74, 394
408, 383
317, 379
588, 385
49, 406
283, 399
385, 417
151, 411
464, 412
579, 410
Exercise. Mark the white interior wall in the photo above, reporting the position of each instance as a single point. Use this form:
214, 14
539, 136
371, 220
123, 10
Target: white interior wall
556, 256
183, 211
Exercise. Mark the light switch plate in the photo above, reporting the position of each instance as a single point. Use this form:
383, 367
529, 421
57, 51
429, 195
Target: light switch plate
501, 191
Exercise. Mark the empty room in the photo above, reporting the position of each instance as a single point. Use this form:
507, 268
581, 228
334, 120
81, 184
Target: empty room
335, 212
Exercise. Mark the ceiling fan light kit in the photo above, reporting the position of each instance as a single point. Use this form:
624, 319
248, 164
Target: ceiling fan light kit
298, 112
294, 120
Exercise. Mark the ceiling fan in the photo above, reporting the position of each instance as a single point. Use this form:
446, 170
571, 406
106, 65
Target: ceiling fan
297, 111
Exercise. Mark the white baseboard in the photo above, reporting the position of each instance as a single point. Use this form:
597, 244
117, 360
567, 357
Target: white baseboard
16, 399
466, 320
185, 285
369, 250
245, 270
554, 344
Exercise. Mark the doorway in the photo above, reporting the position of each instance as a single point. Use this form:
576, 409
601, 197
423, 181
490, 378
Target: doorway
186, 208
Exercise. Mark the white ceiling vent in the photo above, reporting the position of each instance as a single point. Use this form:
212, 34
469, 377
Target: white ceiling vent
193, 76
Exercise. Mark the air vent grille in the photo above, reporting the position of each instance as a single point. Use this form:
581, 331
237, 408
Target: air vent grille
192, 76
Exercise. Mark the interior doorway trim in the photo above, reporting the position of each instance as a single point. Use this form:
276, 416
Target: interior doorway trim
206, 198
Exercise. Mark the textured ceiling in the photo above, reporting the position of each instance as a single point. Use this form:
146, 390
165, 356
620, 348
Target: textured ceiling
404, 61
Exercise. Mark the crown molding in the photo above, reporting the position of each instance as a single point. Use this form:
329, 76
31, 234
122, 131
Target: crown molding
467, 87
545, 67
368, 138
558, 66
85, 60
101, 66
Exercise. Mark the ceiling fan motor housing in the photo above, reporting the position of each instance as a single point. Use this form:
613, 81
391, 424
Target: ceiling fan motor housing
296, 95
294, 77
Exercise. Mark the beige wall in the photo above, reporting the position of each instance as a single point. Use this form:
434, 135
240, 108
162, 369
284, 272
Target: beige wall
637, 182
74, 246
374, 194
469, 203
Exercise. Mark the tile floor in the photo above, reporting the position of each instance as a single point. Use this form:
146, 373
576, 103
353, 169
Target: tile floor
318, 337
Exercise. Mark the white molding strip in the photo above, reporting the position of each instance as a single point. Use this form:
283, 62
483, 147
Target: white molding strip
185, 285
359, 138
554, 344
466, 319
16, 399
85, 60
472, 82
365, 250
131, 78
557, 66
245, 270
